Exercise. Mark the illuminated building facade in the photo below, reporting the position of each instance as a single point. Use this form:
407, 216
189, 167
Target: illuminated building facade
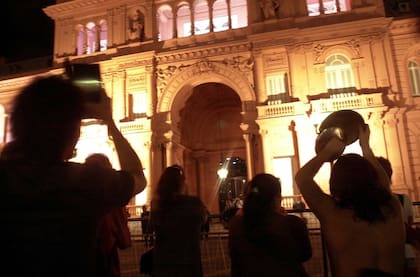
196, 81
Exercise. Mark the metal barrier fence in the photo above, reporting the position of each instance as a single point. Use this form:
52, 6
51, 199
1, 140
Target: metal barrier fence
215, 253
214, 249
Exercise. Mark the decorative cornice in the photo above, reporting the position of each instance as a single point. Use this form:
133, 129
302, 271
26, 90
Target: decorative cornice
71, 6
274, 42
403, 26
135, 63
203, 53
77, 6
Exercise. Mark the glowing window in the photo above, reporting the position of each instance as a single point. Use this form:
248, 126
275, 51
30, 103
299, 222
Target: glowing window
220, 16
276, 84
329, 6
80, 40
165, 22
239, 11
201, 17
138, 104
183, 21
283, 169
414, 77
90, 37
338, 72
103, 36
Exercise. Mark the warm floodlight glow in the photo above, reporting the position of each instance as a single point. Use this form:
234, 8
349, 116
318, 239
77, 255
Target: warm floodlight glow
222, 173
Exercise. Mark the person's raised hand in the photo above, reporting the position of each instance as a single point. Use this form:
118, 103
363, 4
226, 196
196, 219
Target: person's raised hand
333, 149
364, 135
100, 110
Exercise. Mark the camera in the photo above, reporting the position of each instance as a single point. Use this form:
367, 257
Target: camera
87, 77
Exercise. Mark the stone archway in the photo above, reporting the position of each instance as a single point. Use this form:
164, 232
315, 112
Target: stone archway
197, 102
182, 88
174, 80
210, 131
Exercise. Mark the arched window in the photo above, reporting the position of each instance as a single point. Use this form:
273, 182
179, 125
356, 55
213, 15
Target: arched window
338, 72
80, 32
91, 38
414, 77
165, 22
201, 17
220, 16
184, 20
239, 13
103, 35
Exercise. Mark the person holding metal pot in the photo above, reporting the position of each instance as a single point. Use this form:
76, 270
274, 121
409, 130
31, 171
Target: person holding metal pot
361, 220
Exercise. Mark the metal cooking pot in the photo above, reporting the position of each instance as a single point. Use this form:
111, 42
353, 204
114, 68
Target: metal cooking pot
343, 124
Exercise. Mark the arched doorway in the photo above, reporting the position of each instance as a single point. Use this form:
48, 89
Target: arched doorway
209, 125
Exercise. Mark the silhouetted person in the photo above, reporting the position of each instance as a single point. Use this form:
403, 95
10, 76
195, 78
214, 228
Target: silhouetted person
113, 232
177, 221
50, 208
410, 267
263, 239
361, 220
146, 226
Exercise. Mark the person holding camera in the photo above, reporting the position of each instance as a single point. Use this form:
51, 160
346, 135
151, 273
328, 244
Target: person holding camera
50, 208
361, 220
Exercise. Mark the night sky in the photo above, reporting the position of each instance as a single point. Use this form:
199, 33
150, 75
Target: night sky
26, 31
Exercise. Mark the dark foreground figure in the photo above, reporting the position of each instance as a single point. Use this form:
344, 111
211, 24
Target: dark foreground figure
50, 208
263, 239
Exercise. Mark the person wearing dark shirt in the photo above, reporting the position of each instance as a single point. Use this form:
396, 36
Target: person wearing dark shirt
177, 220
50, 208
263, 239
113, 232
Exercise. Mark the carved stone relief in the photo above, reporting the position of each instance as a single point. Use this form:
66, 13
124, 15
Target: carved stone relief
275, 60
319, 50
242, 64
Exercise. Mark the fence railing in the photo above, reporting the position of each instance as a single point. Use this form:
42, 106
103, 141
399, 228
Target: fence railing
214, 247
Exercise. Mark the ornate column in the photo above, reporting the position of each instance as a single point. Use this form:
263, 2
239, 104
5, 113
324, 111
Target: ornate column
407, 171
229, 14
249, 132
266, 150
149, 175
118, 99
150, 89
85, 39
174, 23
261, 92
192, 10
97, 38
109, 32
249, 155
210, 7
169, 148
